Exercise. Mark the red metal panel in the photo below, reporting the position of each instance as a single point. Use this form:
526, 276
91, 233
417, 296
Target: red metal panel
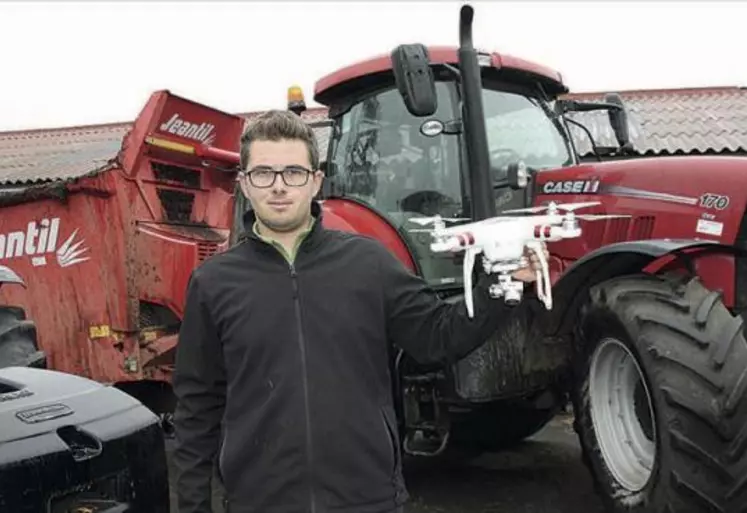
193, 123
71, 253
666, 198
346, 215
167, 255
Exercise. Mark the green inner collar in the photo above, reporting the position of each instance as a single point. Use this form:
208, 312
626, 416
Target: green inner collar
292, 256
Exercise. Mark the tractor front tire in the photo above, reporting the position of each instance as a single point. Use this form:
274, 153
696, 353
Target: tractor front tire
660, 397
18, 344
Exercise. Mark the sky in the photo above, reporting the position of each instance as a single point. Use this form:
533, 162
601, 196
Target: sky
66, 64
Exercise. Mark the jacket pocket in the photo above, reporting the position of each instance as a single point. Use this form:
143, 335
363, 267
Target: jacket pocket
391, 432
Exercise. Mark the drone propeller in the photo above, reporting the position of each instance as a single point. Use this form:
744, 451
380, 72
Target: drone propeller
569, 207
436, 219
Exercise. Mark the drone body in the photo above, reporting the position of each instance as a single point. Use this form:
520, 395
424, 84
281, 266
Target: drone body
503, 241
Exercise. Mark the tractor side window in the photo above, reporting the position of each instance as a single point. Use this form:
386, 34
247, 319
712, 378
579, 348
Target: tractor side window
380, 157
519, 129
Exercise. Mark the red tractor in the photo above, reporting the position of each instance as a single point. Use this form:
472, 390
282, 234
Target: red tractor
646, 336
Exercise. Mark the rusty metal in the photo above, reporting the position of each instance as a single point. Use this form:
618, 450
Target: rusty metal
114, 243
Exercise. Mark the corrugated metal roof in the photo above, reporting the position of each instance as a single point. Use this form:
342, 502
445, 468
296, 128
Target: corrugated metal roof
672, 121
57, 154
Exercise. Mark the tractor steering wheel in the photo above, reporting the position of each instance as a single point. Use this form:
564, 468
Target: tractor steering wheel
430, 203
500, 165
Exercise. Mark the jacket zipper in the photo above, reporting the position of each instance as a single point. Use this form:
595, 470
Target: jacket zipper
302, 347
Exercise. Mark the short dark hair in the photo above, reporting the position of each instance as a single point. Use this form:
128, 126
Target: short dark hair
275, 125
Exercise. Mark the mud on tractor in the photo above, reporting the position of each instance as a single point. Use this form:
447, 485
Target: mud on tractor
646, 337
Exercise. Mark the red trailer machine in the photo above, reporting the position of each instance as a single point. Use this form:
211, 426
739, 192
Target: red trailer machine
106, 248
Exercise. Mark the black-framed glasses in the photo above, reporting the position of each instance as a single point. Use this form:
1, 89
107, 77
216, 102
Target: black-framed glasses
265, 176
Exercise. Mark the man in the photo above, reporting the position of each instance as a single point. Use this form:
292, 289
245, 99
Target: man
282, 358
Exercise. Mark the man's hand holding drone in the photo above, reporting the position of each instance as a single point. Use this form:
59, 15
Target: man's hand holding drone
512, 247
530, 272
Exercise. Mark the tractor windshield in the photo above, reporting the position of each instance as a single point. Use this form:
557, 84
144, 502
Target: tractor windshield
379, 156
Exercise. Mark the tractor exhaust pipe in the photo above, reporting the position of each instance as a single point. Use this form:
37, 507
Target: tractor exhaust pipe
466, 15
476, 138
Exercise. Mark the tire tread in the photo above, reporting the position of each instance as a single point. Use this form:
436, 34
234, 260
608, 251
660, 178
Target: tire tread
18, 339
699, 357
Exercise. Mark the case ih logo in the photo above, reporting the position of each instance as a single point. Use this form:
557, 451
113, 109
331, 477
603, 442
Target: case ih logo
204, 132
39, 240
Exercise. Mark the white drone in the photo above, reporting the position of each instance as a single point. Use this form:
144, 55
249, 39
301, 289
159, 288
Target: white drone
502, 241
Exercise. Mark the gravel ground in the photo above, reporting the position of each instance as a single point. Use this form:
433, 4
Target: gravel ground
543, 475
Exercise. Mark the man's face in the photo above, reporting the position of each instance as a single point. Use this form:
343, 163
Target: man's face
281, 207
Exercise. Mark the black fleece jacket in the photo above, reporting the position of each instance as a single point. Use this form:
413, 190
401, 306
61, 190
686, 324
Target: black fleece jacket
284, 368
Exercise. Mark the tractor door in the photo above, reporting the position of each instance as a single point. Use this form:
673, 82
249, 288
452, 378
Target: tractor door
378, 158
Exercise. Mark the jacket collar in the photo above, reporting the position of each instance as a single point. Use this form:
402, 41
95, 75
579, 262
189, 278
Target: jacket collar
249, 218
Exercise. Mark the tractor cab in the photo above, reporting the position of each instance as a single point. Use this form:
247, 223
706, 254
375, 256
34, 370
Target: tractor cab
403, 165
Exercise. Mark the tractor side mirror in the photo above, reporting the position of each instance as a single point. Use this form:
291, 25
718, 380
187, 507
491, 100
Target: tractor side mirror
414, 78
517, 177
618, 120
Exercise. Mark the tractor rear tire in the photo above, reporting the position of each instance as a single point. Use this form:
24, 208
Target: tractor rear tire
660, 397
18, 344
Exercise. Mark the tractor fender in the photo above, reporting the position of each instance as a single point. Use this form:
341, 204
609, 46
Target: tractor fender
614, 260
7, 275
355, 216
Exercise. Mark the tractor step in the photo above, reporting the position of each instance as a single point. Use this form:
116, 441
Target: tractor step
426, 424
426, 439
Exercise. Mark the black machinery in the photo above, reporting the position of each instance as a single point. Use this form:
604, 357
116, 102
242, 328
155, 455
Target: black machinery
71, 445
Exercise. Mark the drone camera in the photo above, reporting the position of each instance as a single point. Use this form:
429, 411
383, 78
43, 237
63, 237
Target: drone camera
511, 300
570, 224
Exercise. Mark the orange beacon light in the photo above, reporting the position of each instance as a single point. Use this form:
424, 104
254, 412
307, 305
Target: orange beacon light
296, 101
